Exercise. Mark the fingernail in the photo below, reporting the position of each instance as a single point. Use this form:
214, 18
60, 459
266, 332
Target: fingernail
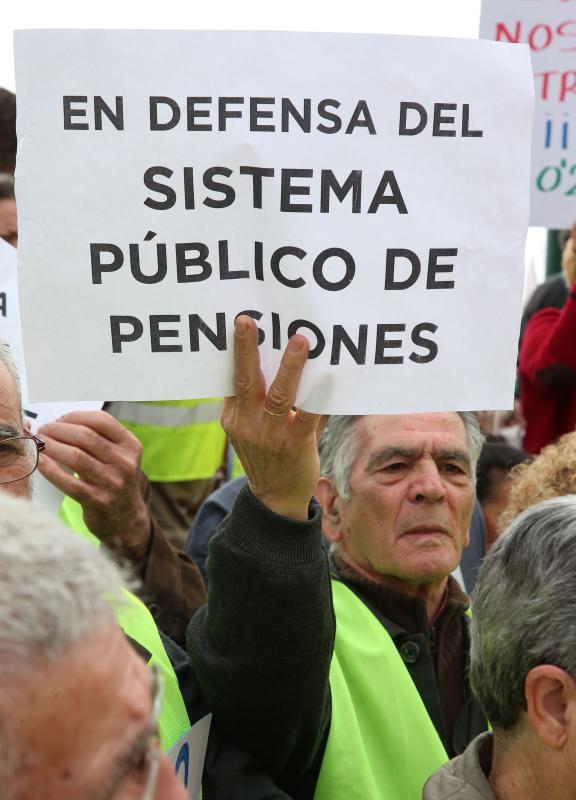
297, 343
241, 326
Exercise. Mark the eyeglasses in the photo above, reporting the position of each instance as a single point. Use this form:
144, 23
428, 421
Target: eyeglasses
19, 457
154, 746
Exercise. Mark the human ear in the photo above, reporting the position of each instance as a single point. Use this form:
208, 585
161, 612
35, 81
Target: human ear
329, 499
551, 704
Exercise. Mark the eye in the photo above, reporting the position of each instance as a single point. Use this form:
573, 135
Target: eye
396, 466
452, 469
140, 761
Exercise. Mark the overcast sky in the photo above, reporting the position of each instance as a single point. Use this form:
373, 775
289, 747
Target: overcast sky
418, 17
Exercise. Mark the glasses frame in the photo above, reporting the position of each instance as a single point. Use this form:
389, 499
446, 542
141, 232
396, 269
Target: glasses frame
40, 446
157, 697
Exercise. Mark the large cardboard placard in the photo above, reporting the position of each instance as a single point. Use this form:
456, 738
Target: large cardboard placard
368, 191
549, 29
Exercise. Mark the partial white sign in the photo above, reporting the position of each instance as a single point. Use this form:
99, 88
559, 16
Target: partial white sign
368, 191
549, 29
37, 414
188, 754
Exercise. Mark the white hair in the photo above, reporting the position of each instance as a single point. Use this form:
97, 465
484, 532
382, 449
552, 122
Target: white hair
55, 588
56, 591
8, 361
340, 444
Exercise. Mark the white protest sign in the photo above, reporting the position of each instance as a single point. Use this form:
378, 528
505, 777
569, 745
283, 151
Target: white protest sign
549, 28
188, 754
369, 191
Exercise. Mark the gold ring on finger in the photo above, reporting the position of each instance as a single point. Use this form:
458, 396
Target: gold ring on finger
275, 413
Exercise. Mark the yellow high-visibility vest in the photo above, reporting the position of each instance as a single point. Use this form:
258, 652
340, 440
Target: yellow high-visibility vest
382, 744
182, 439
137, 623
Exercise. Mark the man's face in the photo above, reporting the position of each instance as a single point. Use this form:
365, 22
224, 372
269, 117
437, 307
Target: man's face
85, 720
411, 498
11, 423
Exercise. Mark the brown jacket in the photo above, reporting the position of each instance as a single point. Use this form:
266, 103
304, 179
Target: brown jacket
172, 585
464, 777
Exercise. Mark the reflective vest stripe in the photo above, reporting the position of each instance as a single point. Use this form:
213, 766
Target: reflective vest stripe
137, 622
182, 440
382, 743
165, 416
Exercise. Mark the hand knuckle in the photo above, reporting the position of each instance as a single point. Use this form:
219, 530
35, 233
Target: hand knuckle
77, 459
276, 398
242, 384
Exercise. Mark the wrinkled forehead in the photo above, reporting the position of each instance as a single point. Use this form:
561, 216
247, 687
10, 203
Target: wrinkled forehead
426, 432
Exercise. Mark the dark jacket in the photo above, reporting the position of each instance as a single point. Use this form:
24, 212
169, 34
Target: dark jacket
172, 585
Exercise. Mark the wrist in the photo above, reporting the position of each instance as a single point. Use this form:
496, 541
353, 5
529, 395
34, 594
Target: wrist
136, 539
284, 507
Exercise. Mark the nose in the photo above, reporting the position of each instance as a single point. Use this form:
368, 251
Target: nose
427, 485
168, 786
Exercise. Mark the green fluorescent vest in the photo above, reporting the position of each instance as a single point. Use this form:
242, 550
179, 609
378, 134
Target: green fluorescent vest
382, 744
182, 439
136, 621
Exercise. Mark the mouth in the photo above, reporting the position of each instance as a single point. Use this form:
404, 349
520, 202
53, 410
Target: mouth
426, 532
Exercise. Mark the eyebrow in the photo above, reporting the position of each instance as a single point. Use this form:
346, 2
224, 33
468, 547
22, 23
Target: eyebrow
452, 455
6, 431
391, 452
388, 453
124, 762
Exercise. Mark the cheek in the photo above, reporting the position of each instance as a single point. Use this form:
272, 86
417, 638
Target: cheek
465, 500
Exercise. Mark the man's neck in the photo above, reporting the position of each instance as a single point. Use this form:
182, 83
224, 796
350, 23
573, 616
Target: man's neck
518, 772
433, 593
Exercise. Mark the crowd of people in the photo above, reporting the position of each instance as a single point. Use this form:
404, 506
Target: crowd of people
316, 606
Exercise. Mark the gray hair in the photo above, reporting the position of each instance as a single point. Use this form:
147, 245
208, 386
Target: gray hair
55, 588
8, 361
525, 608
340, 444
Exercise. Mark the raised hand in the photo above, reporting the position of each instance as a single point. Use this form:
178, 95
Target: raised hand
275, 443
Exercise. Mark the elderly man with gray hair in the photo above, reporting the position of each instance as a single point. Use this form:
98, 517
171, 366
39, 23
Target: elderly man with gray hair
358, 664
78, 707
523, 665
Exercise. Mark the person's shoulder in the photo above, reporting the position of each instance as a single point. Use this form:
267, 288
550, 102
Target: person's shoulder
552, 292
463, 778
542, 319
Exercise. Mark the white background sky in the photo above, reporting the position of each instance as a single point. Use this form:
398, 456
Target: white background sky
416, 17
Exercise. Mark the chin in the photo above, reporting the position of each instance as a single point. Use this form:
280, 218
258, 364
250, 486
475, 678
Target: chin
432, 569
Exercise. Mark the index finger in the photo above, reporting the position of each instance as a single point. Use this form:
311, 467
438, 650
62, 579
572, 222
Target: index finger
101, 422
249, 384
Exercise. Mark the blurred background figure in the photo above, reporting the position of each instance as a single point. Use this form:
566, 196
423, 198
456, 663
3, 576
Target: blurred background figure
495, 464
8, 223
547, 365
551, 474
